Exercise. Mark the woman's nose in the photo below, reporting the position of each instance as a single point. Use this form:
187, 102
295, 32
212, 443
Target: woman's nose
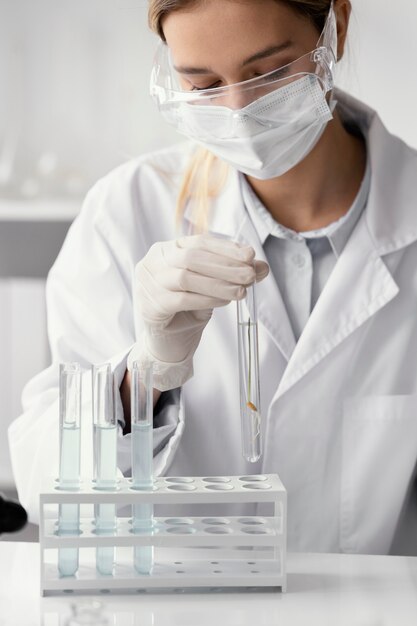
237, 98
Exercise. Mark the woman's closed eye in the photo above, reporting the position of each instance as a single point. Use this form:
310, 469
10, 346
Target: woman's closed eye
212, 86
282, 72
269, 74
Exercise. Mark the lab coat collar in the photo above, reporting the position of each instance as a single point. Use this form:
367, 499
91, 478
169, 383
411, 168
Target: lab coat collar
271, 310
359, 286
391, 213
337, 233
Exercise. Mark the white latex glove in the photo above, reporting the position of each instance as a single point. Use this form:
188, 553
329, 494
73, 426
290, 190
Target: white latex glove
178, 283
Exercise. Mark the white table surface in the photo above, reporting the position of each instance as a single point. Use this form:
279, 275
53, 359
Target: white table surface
323, 589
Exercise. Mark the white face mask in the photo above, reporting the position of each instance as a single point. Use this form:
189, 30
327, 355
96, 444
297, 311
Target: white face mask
269, 136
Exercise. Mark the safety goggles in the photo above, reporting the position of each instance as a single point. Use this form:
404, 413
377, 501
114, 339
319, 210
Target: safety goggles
166, 90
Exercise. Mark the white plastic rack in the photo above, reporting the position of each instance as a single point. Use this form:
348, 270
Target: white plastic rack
240, 551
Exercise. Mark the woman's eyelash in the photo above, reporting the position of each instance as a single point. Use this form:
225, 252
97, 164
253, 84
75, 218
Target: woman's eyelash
273, 75
213, 86
279, 73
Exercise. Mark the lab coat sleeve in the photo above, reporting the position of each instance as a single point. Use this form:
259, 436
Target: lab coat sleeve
90, 320
168, 428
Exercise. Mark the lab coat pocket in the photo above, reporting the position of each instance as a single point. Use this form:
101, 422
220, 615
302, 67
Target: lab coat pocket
379, 451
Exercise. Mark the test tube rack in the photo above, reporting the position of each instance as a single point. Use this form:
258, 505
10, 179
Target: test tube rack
240, 551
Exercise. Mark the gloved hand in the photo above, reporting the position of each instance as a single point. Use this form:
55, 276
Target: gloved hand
178, 283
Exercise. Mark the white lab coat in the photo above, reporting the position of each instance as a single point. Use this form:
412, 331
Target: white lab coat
339, 406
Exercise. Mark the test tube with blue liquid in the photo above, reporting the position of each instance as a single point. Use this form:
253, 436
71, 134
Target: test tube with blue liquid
250, 396
142, 458
105, 459
69, 460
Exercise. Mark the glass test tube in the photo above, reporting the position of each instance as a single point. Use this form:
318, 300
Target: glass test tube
105, 459
69, 459
142, 458
250, 409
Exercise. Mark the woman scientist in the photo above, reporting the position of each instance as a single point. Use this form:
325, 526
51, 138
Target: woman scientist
282, 171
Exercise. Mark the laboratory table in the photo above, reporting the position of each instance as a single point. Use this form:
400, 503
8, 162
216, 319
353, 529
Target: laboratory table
323, 589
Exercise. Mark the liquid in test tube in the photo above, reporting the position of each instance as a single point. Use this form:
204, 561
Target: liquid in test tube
142, 458
105, 459
69, 460
250, 409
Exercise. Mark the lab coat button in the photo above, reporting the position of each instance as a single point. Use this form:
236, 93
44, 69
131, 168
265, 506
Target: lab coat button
299, 260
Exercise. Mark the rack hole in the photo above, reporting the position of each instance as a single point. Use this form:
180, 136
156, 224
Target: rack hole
216, 479
179, 521
253, 478
143, 488
182, 487
215, 520
257, 486
252, 521
72, 533
180, 479
217, 571
181, 530
220, 487
218, 530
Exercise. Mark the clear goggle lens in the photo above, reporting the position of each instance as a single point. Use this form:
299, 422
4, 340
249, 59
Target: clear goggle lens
166, 89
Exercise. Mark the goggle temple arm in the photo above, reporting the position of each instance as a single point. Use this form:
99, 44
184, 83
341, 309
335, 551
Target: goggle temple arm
328, 37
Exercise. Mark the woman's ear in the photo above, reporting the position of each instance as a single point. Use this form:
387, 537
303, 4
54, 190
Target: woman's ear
342, 9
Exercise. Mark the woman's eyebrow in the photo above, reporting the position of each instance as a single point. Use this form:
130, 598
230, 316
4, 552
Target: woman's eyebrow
262, 54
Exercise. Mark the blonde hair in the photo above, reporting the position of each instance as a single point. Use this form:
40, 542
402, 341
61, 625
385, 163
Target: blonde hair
205, 174
203, 181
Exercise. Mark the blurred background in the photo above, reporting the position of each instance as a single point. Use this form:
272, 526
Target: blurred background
74, 103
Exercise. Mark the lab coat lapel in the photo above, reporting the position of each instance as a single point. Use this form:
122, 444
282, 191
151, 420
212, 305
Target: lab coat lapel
229, 218
272, 313
359, 286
